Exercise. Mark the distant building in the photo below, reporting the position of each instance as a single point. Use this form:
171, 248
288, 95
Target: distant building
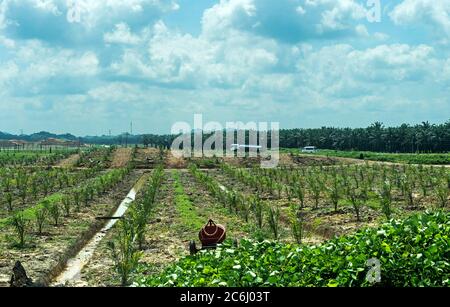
310, 149
12, 143
59, 142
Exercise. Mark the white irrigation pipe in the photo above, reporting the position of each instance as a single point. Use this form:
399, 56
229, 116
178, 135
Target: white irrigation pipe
72, 272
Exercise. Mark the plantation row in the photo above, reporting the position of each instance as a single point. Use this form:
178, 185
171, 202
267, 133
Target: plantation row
410, 253
127, 244
357, 185
32, 157
53, 208
29, 184
249, 206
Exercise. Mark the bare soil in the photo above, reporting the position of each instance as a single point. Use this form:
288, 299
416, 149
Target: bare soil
121, 157
146, 158
69, 162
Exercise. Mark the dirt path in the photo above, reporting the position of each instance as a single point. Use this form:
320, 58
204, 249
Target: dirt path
69, 162
121, 157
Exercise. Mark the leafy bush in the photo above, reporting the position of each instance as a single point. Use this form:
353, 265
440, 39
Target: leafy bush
414, 252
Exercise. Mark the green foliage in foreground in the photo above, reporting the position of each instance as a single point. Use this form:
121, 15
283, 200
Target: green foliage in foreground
413, 252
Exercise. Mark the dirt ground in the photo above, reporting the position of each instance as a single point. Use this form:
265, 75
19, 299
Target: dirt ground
121, 157
286, 160
69, 162
147, 158
306, 160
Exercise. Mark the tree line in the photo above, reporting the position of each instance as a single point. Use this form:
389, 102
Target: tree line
424, 138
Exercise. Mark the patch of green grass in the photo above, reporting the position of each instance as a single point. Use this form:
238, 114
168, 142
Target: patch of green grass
413, 158
29, 213
185, 208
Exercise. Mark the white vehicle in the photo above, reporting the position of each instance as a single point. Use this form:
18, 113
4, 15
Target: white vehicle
236, 147
310, 149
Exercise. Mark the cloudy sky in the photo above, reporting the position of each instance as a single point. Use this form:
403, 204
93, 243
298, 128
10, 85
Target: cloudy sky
87, 66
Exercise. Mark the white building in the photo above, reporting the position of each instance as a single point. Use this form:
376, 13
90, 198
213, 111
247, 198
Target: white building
310, 149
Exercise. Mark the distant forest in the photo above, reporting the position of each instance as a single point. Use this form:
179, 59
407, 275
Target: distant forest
425, 137
403, 139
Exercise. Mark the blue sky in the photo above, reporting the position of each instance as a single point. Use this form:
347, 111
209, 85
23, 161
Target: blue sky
304, 63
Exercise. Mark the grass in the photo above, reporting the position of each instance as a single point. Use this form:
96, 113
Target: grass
29, 213
185, 208
413, 158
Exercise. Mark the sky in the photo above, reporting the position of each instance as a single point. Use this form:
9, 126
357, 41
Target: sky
87, 67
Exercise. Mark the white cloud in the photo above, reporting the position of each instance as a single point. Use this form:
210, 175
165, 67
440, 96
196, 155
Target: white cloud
37, 69
285, 20
362, 31
338, 13
8, 43
258, 59
419, 12
121, 35
380, 36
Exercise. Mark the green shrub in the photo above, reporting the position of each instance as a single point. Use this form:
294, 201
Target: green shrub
412, 253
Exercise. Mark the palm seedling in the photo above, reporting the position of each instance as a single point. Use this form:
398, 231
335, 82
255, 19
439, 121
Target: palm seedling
9, 201
41, 215
273, 220
55, 212
355, 200
76, 200
34, 188
139, 217
258, 211
246, 208
66, 205
315, 189
85, 196
20, 225
334, 193
300, 194
296, 219
386, 199
408, 190
125, 255
279, 188
442, 193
